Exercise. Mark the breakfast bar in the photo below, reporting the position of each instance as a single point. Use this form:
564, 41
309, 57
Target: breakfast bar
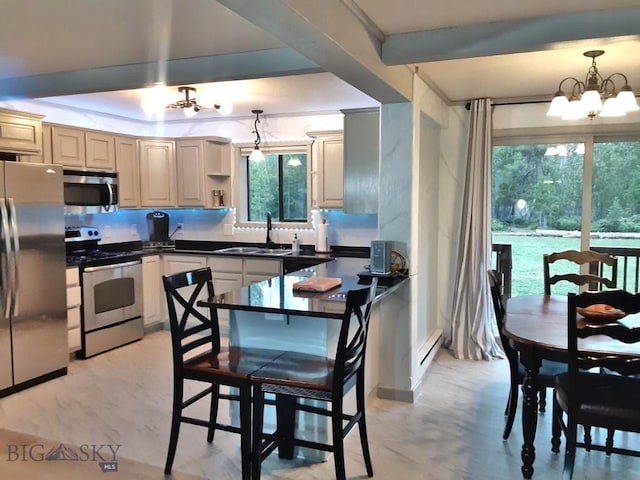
271, 314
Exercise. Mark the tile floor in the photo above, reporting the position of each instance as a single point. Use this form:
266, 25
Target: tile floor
452, 432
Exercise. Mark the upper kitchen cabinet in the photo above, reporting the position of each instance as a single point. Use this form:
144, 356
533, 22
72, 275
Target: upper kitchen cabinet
100, 151
361, 160
20, 132
203, 167
128, 168
68, 146
45, 156
327, 171
157, 173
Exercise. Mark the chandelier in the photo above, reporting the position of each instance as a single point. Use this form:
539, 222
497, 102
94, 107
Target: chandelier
189, 104
595, 96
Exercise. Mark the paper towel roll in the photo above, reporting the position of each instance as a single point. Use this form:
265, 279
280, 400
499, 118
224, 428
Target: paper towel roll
322, 238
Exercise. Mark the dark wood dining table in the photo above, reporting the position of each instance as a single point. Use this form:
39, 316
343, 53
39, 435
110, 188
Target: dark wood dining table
536, 326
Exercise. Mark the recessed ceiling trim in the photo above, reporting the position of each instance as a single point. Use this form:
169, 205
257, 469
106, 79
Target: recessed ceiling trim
257, 64
506, 37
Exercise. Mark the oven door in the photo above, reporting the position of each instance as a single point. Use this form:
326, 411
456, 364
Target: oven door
111, 294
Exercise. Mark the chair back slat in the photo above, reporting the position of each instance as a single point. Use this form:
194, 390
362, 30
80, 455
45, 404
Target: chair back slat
352, 342
190, 329
596, 279
578, 329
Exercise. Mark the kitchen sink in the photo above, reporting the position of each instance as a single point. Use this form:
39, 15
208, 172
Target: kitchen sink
256, 251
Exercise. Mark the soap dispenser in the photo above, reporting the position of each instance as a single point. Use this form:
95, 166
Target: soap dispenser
295, 245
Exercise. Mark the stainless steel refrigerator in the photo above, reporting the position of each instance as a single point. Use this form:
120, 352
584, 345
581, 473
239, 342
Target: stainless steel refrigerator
33, 316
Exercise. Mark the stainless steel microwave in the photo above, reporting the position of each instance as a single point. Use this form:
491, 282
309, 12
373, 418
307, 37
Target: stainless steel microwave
90, 191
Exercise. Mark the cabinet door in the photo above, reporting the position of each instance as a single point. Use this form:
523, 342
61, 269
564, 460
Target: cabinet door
128, 171
329, 171
68, 147
157, 173
45, 155
183, 263
257, 270
101, 151
190, 173
152, 290
20, 132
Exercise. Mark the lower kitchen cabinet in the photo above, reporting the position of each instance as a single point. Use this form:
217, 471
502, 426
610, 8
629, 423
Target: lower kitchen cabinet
74, 303
152, 290
176, 263
256, 270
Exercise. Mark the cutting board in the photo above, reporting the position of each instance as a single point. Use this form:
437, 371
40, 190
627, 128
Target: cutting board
317, 284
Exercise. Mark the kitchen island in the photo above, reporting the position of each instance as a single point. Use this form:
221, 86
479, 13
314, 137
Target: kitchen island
270, 314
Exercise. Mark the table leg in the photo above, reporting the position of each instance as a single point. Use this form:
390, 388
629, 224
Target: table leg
530, 390
286, 421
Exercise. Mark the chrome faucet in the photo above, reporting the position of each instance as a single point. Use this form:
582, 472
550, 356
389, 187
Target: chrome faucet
268, 241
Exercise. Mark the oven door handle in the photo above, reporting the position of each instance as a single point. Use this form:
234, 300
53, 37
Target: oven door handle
113, 266
6, 287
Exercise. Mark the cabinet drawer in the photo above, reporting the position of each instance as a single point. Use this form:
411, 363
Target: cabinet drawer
73, 337
73, 276
73, 317
225, 264
272, 267
74, 297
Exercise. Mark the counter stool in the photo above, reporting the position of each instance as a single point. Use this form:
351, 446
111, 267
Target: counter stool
198, 356
295, 375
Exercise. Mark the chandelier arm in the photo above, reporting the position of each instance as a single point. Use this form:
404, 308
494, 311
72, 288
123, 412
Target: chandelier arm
581, 87
565, 79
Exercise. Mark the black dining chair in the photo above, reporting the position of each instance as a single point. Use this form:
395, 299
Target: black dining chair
198, 356
600, 390
548, 370
297, 376
603, 266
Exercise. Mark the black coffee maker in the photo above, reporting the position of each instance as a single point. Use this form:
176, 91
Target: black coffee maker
158, 226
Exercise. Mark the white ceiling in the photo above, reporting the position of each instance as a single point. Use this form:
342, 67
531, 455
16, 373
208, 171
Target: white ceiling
81, 53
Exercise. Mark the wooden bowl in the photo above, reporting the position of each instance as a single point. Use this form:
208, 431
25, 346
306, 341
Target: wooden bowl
600, 313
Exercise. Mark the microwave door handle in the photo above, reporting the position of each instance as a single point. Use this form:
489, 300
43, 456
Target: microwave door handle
5, 289
108, 206
16, 255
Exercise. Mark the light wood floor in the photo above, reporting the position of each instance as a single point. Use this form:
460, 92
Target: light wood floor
453, 431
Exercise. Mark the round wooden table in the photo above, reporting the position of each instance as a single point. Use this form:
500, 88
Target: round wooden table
536, 326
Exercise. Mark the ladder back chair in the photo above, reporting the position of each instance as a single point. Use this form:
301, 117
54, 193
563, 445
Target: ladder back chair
597, 262
302, 376
198, 356
608, 395
548, 370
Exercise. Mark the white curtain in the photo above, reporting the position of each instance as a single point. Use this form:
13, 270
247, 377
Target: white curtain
471, 335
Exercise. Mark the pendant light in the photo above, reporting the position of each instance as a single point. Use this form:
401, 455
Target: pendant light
256, 154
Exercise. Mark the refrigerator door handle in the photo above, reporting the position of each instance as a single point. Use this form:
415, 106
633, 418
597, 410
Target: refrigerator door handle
5, 286
16, 254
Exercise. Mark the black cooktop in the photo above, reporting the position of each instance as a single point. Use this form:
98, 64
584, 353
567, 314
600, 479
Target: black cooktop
83, 249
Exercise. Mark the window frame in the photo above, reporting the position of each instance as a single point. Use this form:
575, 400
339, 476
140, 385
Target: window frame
241, 185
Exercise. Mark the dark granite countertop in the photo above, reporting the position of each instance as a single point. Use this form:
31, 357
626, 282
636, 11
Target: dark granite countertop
276, 295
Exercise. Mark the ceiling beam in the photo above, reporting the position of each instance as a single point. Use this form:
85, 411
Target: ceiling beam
332, 36
506, 37
238, 66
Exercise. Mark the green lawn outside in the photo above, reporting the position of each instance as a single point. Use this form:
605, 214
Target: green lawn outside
527, 251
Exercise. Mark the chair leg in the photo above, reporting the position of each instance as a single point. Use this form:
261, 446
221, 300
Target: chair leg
570, 452
556, 425
176, 413
587, 437
512, 407
338, 438
609, 443
245, 431
362, 426
542, 402
258, 419
213, 413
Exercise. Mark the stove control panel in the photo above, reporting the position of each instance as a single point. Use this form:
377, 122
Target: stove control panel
81, 234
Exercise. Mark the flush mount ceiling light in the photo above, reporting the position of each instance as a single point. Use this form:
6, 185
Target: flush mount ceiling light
595, 96
190, 105
256, 154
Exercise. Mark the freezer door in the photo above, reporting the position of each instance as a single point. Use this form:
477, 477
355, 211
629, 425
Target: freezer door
6, 367
34, 195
